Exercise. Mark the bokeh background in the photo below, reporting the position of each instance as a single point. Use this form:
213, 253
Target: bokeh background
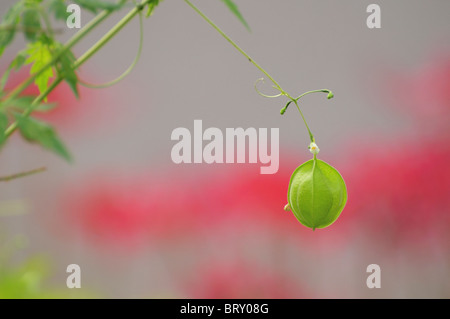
141, 226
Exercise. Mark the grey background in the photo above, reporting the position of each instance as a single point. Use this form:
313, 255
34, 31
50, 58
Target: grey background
188, 71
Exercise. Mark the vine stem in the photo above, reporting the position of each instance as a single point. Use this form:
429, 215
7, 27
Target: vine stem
81, 60
311, 136
130, 68
235, 45
276, 85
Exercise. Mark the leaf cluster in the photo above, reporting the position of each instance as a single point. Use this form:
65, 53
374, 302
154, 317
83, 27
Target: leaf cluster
48, 59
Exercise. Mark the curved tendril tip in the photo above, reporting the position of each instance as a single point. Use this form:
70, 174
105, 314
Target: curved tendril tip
131, 67
265, 95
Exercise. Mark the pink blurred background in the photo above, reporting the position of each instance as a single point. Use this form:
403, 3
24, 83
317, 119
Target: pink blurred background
141, 226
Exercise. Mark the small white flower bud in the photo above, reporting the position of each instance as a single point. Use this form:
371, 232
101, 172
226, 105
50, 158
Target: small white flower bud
313, 148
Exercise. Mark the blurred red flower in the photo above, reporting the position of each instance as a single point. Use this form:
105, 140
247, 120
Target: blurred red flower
241, 281
425, 92
70, 113
400, 191
124, 209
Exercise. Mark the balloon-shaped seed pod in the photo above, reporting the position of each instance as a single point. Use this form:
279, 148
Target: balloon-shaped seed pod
317, 194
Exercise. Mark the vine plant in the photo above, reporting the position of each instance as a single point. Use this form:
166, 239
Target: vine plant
317, 193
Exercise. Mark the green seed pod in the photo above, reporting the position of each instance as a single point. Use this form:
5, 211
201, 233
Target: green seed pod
317, 194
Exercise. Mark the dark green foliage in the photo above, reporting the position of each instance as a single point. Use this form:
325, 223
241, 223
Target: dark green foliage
35, 131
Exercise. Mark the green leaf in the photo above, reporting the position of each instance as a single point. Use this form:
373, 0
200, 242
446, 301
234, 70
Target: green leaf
59, 9
95, 5
151, 6
35, 131
65, 69
15, 65
234, 9
31, 22
9, 26
24, 281
40, 55
3, 127
18, 61
317, 194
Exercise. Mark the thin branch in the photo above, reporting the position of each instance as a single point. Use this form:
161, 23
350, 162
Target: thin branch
22, 174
